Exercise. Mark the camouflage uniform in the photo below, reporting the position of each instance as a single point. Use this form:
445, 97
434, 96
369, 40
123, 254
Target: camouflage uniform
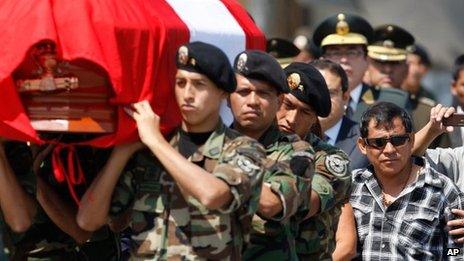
165, 225
275, 239
332, 182
44, 240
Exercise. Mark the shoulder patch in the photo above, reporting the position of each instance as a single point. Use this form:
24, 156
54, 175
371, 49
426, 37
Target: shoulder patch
247, 165
336, 164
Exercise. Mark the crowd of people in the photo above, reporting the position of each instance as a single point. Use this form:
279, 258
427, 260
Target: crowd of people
335, 153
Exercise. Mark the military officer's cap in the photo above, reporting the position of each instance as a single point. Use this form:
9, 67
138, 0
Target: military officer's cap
259, 65
308, 85
420, 51
281, 49
390, 43
343, 29
305, 44
209, 60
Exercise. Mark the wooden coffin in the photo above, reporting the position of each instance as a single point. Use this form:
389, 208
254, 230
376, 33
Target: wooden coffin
61, 96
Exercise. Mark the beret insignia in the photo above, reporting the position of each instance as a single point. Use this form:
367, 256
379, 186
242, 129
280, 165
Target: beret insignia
193, 61
294, 81
183, 55
342, 27
241, 62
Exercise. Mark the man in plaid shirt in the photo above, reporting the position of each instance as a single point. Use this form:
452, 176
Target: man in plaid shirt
401, 204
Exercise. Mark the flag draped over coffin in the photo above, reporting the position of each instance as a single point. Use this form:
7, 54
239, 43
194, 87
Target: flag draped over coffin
134, 41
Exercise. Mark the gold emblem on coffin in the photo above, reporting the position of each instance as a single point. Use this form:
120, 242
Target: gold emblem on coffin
60, 96
50, 75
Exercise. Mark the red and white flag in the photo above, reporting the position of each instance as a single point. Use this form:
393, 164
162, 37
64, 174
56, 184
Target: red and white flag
135, 41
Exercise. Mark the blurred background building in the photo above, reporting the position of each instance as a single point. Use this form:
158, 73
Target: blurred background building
437, 25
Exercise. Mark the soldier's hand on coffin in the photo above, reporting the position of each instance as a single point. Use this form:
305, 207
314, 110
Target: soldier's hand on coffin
148, 123
457, 225
437, 114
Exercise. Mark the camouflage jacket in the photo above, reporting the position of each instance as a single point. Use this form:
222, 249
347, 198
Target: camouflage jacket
275, 239
332, 182
44, 240
165, 225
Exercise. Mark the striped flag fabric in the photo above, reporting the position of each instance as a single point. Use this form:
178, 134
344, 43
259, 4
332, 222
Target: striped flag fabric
134, 41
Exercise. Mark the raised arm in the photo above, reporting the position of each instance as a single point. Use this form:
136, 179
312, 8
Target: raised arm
425, 136
17, 205
95, 204
210, 191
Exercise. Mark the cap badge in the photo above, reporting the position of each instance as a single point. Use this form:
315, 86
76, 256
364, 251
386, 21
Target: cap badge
342, 27
294, 81
241, 62
192, 61
182, 55
388, 44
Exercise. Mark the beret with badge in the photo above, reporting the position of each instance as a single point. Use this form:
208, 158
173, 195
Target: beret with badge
343, 29
258, 65
308, 85
208, 60
390, 43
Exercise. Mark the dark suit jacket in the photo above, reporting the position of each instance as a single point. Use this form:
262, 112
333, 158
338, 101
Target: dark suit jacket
370, 95
346, 140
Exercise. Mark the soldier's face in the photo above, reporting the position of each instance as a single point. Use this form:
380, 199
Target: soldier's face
338, 100
199, 100
387, 73
352, 58
457, 88
416, 72
254, 105
389, 160
295, 116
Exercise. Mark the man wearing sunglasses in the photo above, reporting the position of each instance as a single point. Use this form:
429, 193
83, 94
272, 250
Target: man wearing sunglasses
401, 205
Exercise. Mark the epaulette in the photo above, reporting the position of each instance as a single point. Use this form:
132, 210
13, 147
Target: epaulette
427, 101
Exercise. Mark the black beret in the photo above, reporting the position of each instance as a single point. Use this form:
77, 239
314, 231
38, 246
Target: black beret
343, 29
259, 65
281, 48
308, 85
390, 43
209, 60
420, 51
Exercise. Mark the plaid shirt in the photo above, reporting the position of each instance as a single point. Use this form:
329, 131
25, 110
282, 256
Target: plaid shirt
413, 227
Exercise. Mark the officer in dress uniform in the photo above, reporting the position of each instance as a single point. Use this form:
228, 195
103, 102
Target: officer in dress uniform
343, 39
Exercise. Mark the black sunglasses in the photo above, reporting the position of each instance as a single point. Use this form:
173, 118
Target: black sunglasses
380, 143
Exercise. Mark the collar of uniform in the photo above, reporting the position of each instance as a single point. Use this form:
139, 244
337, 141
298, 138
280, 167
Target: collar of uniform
213, 146
272, 136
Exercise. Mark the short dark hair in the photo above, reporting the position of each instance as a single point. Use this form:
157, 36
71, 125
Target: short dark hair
334, 68
383, 113
458, 66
